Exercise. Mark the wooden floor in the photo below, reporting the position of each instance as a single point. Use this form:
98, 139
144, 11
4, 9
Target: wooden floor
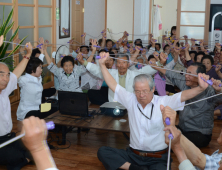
82, 154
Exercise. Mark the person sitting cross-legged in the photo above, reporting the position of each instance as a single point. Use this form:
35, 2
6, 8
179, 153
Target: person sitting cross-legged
147, 149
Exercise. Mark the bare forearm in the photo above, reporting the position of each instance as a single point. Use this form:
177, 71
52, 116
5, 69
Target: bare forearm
21, 67
110, 81
91, 56
188, 58
103, 42
43, 159
191, 93
133, 57
59, 63
193, 153
219, 74
179, 152
48, 59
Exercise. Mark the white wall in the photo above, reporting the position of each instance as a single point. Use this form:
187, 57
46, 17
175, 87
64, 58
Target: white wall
63, 40
120, 17
94, 18
141, 19
168, 13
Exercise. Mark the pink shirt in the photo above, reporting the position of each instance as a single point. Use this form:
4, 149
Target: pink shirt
5, 106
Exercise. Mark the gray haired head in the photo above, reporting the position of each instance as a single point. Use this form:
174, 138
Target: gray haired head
3, 64
121, 55
140, 57
143, 78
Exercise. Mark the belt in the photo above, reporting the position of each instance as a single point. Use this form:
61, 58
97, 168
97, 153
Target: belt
150, 154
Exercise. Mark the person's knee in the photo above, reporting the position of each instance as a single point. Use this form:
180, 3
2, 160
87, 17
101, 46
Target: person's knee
101, 152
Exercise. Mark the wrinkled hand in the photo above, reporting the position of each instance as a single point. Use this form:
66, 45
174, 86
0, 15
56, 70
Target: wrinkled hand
45, 45
35, 134
41, 41
216, 84
84, 35
156, 55
202, 83
177, 50
104, 56
144, 52
175, 142
163, 57
28, 48
167, 112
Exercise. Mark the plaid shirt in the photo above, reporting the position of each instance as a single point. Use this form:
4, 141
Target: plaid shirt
212, 162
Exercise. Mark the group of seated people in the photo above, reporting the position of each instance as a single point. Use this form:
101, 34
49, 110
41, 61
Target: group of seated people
151, 82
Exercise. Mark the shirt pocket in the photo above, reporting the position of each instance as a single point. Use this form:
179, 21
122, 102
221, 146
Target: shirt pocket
155, 126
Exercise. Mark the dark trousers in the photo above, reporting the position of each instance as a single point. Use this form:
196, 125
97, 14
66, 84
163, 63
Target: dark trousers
113, 158
40, 115
170, 88
98, 97
13, 153
198, 139
47, 93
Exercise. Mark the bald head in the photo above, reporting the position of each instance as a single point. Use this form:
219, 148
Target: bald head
4, 76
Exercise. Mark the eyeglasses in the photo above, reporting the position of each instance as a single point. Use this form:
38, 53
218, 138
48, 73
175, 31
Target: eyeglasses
138, 92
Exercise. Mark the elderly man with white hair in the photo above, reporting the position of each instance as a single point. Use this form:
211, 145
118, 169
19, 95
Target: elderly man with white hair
15, 156
147, 149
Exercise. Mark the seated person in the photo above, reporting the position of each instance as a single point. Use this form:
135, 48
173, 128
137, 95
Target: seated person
31, 91
122, 74
196, 121
14, 155
213, 72
68, 75
147, 149
200, 160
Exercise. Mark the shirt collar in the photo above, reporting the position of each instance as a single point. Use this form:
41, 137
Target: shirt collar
32, 77
152, 102
122, 75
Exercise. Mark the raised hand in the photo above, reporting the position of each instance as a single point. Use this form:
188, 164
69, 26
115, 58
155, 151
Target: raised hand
41, 41
94, 43
167, 112
216, 85
218, 47
187, 47
104, 56
202, 78
80, 58
156, 55
175, 143
185, 36
163, 57
28, 48
218, 68
45, 45
177, 50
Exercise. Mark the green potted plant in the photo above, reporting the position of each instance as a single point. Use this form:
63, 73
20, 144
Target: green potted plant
4, 29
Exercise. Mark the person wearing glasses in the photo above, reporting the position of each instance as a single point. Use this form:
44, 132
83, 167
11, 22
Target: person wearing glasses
147, 149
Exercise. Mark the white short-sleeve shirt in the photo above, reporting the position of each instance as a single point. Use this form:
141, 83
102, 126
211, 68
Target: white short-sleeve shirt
145, 134
5, 106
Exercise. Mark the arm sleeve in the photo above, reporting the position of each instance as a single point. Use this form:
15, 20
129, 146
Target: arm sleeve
12, 84
186, 165
41, 57
170, 65
80, 69
146, 70
177, 79
95, 70
150, 52
123, 97
54, 69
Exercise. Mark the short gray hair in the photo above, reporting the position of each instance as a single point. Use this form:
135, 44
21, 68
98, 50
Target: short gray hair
121, 55
142, 78
140, 57
3, 64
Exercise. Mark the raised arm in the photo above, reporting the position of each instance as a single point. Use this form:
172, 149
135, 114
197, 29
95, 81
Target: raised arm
83, 38
94, 43
191, 93
218, 71
22, 65
110, 81
103, 44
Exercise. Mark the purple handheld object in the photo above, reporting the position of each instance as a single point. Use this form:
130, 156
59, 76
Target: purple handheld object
98, 57
213, 66
50, 125
219, 85
96, 46
167, 58
167, 121
127, 34
81, 35
210, 82
183, 48
62, 56
68, 42
170, 136
101, 32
